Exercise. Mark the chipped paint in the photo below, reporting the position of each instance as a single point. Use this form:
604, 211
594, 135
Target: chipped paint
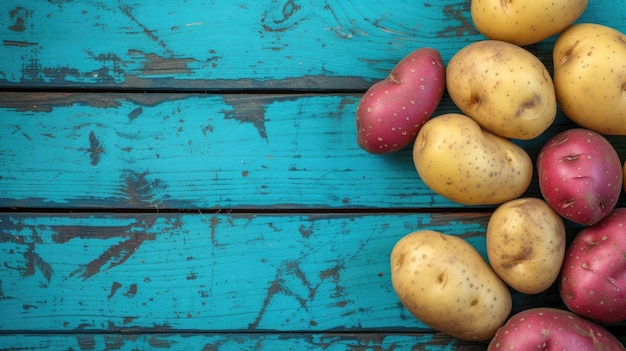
95, 149
460, 15
140, 190
19, 16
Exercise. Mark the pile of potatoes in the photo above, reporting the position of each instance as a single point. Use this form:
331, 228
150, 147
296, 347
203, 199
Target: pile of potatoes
505, 94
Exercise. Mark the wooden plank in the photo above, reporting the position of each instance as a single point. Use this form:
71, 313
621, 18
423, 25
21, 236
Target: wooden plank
213, 272
197, 151
329, 341
230, 45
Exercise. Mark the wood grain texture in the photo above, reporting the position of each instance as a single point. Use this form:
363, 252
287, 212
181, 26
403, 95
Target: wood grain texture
215, 45
329, 341
235, 272
198, 151
185, 175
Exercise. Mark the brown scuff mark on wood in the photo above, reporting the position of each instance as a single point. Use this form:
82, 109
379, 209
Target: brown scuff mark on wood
157, 343
140, 190
246, 110
135, 234
291, 269
458, 13
19, 16
154, 64
214, 223
86, 342
33, 261
114, 287
305, 232
18, 43
135, 113
114, 256
132, 291
95, 149
128, 11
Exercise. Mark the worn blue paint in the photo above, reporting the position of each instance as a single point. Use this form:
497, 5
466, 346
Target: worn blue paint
209, 271
239, 342
203, 151
286, 226
200, 152
208, 45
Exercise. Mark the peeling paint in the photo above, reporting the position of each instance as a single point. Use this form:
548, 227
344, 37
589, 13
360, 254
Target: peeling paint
19, 15
291, 269
95, 149
46, 101
154, 64
114, 287
458, 13
18, 43
114, 256
246, 111
140, 190
135, 113
128, 11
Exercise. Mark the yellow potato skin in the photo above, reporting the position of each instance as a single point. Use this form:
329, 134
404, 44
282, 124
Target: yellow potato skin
445, 283
524, 22
526, 244
590, 77
503, 87
464, 163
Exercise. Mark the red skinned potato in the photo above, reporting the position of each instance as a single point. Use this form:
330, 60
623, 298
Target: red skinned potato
545, 328
593, 276
392, 111
580, 175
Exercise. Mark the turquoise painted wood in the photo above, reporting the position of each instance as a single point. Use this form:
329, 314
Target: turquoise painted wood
240, 342
209, 271
193, 151
185, 175
216, 45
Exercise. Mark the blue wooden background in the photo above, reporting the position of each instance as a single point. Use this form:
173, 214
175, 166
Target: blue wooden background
185, 175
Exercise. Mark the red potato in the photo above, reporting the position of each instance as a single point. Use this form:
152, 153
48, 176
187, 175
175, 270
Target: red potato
545, 328
593, 276
392, 111
580, 175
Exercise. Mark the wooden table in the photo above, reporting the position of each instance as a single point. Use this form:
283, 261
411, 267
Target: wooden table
185, 175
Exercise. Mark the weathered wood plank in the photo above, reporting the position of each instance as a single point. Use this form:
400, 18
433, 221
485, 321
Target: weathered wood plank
329, 341
196, 151
231, 45
213, 272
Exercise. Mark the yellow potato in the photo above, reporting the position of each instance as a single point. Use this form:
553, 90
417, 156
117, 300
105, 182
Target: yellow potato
524, 22
526, 244
590, 77
445, 283
503, 87
458, 160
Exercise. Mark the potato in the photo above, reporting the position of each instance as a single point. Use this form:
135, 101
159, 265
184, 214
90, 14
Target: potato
593, 278
526, 244
580, 175
590, 77
445, 283
392, 111
524, 22
503, 87
458, 160
548, 328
